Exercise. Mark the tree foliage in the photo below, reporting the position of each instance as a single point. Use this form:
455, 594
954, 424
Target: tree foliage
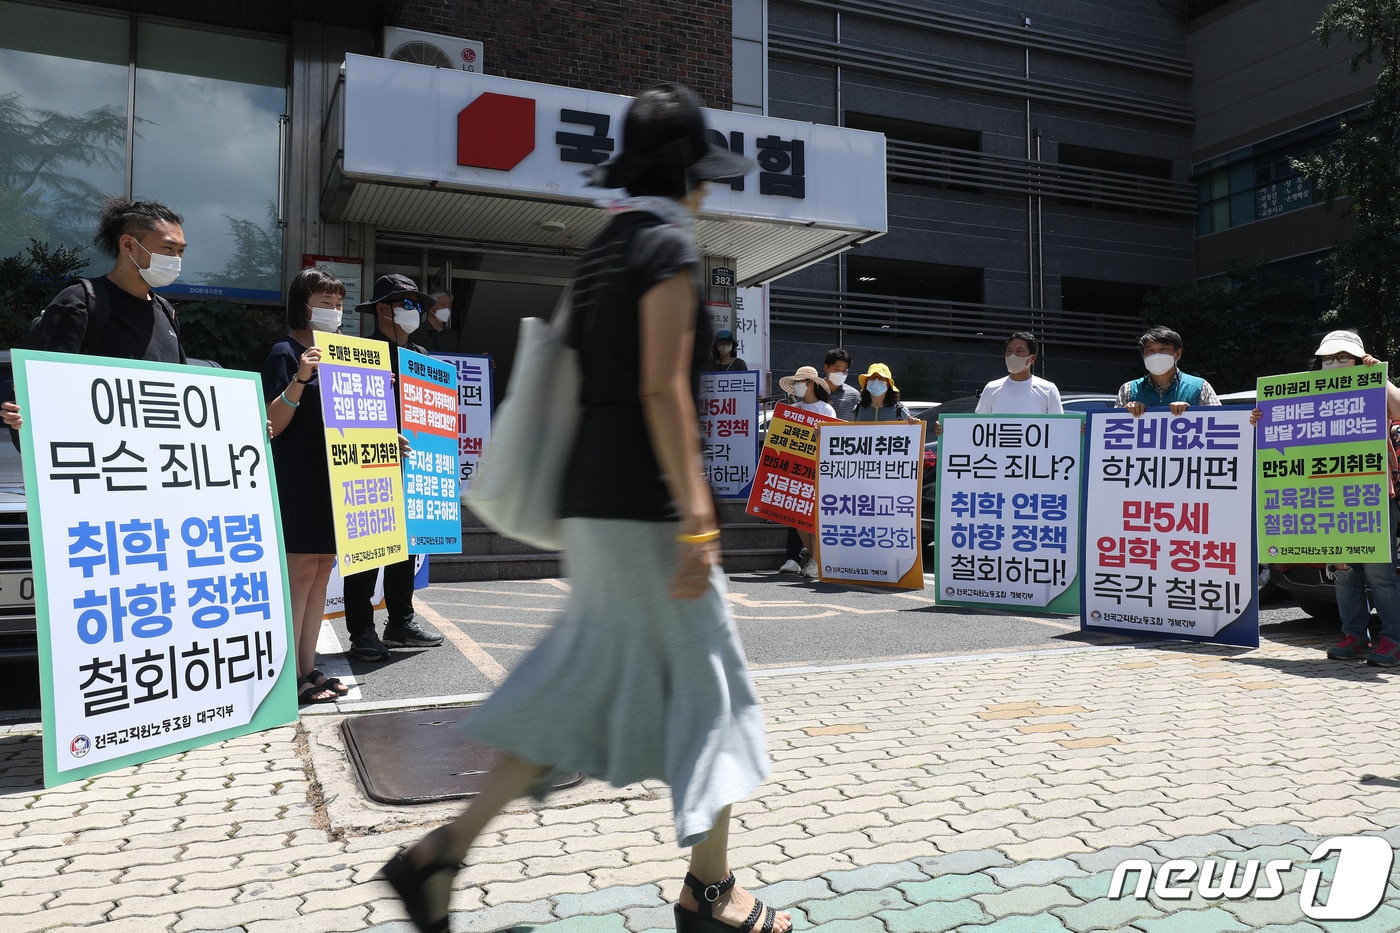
1364, 166
40, 196
29, 281
1236, 327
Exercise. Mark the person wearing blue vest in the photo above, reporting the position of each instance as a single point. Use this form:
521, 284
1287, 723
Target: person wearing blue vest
1164, 383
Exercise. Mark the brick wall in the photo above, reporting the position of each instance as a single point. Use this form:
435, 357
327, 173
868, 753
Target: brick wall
616, 46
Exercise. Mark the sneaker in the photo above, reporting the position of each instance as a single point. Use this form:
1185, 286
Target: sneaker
1350, 648
811, 570
1385, 654
790, 566
368, 647
412, 634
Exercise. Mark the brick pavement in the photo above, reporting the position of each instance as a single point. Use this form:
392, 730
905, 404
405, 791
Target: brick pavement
993, 794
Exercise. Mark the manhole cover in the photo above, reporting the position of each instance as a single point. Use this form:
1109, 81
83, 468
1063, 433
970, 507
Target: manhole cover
421, 756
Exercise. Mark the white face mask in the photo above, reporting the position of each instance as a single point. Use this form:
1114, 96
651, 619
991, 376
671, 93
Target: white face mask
326, 320
724, 348
163, 269
799, 388
836, 379
1336, 364
443, 314
1159, 364
406, 318
876, 387
1016, 365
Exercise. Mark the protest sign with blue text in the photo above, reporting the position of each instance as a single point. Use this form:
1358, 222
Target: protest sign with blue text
428, 404
1008, 511
157, 547
474, 399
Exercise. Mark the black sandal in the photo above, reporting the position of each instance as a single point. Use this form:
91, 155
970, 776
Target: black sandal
306, 687
333, 684
704, 920
425, 890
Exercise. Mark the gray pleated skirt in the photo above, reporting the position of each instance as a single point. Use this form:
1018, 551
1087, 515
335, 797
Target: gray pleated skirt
631, 684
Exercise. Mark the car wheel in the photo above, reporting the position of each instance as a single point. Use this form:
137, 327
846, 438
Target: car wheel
1320, 609
1268, 589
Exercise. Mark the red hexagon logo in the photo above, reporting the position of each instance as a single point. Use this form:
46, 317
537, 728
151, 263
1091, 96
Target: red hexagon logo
496, 131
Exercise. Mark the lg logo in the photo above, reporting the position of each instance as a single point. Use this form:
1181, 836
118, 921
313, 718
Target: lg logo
1358, 883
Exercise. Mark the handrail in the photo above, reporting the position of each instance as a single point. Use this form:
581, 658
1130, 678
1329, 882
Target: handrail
926, 318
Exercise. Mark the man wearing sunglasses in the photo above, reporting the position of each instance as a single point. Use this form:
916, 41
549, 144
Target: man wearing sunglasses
397, 305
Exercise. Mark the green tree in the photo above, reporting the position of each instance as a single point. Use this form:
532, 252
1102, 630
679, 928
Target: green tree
1247, 323
29, 281
257, 256
1364, 166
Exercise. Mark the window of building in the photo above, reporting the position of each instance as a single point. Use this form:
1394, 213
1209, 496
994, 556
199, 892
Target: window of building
1108, 300
925, 153
1105, 160
905, 279
1259, 181
194, 121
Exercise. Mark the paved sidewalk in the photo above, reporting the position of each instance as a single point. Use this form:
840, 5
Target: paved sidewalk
992, 794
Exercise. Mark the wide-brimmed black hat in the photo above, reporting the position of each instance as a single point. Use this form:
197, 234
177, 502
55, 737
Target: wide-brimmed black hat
391, 288
665, 129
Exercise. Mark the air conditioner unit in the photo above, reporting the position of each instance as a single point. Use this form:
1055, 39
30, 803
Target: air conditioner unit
426, 48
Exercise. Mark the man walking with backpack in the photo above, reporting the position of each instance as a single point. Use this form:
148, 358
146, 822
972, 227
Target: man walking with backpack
118, 315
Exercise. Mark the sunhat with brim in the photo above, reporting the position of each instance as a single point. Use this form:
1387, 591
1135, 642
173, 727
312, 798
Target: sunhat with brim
665, 129
391, 288
805, 372
1342, 341
881, 370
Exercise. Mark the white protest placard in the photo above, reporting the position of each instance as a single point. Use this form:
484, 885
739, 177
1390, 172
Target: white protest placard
158, 562
728, 412
1008, 511
1169, 545
868, 501
751, 332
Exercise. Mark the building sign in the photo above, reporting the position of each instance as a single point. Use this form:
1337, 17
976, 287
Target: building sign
1324, 495
722, 277
1008, 511
1168, 529
351, 273
728, 411
428, 402
868, 496
157, 546
494, 134
751, 332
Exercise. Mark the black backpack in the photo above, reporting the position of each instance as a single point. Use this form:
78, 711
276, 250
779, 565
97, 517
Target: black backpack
98, 312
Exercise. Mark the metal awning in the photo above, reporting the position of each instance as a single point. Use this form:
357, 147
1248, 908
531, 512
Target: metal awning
432, 189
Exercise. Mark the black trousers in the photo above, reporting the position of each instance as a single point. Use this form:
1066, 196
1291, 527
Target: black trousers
794, 545
398, 597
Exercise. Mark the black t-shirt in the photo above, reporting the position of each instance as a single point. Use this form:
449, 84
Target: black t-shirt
613, 472
136, 328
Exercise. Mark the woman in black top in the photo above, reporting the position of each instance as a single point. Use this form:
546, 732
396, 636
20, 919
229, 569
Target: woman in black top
293, 398
643, 676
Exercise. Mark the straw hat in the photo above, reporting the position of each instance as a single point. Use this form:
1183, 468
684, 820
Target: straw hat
808, 373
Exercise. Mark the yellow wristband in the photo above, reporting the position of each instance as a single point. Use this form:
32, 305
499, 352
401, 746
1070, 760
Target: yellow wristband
704, 537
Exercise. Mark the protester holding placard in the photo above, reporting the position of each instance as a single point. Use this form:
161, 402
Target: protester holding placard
293, 396
879, 397
811, 394
397, 304
1342, 348
1164, 383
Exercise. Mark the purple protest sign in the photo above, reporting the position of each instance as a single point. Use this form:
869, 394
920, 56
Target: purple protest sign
357, 398
1333, 419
